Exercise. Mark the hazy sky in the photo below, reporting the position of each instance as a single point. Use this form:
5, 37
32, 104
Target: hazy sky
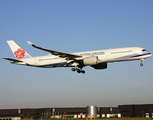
73, 26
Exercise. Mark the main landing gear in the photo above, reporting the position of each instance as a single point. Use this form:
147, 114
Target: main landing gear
78, 70
141, 64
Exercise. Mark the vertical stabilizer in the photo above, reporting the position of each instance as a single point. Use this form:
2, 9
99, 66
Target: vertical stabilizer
18, 52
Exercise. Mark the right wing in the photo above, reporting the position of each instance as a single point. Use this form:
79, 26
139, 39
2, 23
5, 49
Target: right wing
66, 56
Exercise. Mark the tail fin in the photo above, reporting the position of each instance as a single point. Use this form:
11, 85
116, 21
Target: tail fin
17, 50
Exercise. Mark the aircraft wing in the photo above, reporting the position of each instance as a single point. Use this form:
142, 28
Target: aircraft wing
13, 60
67, 56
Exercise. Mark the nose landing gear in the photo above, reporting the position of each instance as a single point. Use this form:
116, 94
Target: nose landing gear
141, 64
78, 70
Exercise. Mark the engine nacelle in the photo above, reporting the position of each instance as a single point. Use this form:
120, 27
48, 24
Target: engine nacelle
90, 60
100, 66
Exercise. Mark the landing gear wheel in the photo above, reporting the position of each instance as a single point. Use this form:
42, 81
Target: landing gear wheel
78, 70
83, 71
141, 62
73, 69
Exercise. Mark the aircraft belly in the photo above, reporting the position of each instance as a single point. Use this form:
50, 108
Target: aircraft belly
53, 63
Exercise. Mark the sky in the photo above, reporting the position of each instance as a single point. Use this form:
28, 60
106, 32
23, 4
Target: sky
74, 26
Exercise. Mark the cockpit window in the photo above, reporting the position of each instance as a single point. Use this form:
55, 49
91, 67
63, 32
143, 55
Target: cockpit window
144, 50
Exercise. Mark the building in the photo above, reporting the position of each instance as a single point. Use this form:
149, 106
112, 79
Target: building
25, 113
105, 111
136, 110
71, 112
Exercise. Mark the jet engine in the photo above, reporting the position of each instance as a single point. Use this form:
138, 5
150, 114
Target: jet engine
100, 66
90, 60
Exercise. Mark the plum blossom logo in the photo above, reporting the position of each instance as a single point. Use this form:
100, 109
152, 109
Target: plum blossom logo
19, 53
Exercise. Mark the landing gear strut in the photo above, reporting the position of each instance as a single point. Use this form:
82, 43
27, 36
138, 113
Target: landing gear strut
78, 70
141, 64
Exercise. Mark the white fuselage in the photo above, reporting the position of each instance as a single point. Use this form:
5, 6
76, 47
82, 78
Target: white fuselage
104, 56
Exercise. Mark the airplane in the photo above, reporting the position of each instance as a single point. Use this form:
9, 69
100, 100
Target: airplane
97, 59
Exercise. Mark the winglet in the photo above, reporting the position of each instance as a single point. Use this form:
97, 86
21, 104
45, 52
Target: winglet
29, 43
32, 44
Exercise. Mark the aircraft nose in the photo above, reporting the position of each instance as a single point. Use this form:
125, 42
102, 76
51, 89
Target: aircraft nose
150, 54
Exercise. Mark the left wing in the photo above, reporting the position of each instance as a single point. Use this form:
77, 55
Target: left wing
66, 56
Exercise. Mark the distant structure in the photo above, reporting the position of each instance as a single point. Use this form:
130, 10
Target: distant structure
92, 111
135, 110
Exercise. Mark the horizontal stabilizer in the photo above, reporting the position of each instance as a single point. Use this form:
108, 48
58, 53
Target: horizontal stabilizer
13, 60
